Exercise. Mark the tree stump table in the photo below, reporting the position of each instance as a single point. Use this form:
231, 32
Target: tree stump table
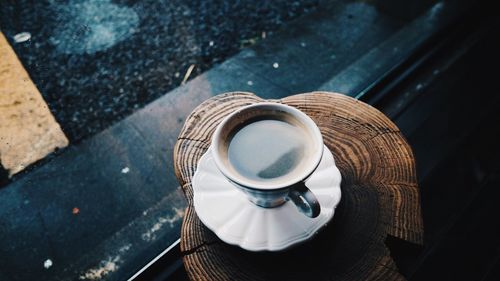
380, 197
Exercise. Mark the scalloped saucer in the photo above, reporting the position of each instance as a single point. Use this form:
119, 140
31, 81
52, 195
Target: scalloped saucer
235, 220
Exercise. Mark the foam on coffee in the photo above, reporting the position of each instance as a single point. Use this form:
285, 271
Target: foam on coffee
268, 148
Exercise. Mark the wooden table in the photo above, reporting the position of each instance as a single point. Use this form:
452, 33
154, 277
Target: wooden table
380, 197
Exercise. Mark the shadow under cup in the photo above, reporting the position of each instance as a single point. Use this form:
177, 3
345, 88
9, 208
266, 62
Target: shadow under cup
280, 145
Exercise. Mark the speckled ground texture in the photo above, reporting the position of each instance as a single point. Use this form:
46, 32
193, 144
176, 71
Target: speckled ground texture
97, 61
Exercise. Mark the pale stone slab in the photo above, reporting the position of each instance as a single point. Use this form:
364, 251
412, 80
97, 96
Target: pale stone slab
28, 131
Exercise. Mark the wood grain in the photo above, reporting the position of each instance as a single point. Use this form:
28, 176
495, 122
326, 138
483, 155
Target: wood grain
379, 189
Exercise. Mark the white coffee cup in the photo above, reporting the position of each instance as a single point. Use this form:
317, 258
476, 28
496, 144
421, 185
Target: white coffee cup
273, 192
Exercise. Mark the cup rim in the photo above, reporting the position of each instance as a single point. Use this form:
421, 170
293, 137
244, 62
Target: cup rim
240, 180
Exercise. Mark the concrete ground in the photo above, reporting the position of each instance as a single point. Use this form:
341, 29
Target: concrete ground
95, 62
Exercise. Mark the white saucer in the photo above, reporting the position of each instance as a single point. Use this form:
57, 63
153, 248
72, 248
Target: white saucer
235, 220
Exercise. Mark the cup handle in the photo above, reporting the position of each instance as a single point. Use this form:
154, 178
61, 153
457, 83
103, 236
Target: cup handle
304, 200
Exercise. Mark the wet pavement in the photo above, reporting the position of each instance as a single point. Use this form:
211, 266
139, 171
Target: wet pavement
95, 62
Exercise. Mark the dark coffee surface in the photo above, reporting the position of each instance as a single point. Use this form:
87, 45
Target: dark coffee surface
267, 150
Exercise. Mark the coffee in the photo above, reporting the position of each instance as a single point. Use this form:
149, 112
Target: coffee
267, 149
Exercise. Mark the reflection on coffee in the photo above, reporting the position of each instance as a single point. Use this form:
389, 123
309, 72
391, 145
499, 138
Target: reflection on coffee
267, 149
